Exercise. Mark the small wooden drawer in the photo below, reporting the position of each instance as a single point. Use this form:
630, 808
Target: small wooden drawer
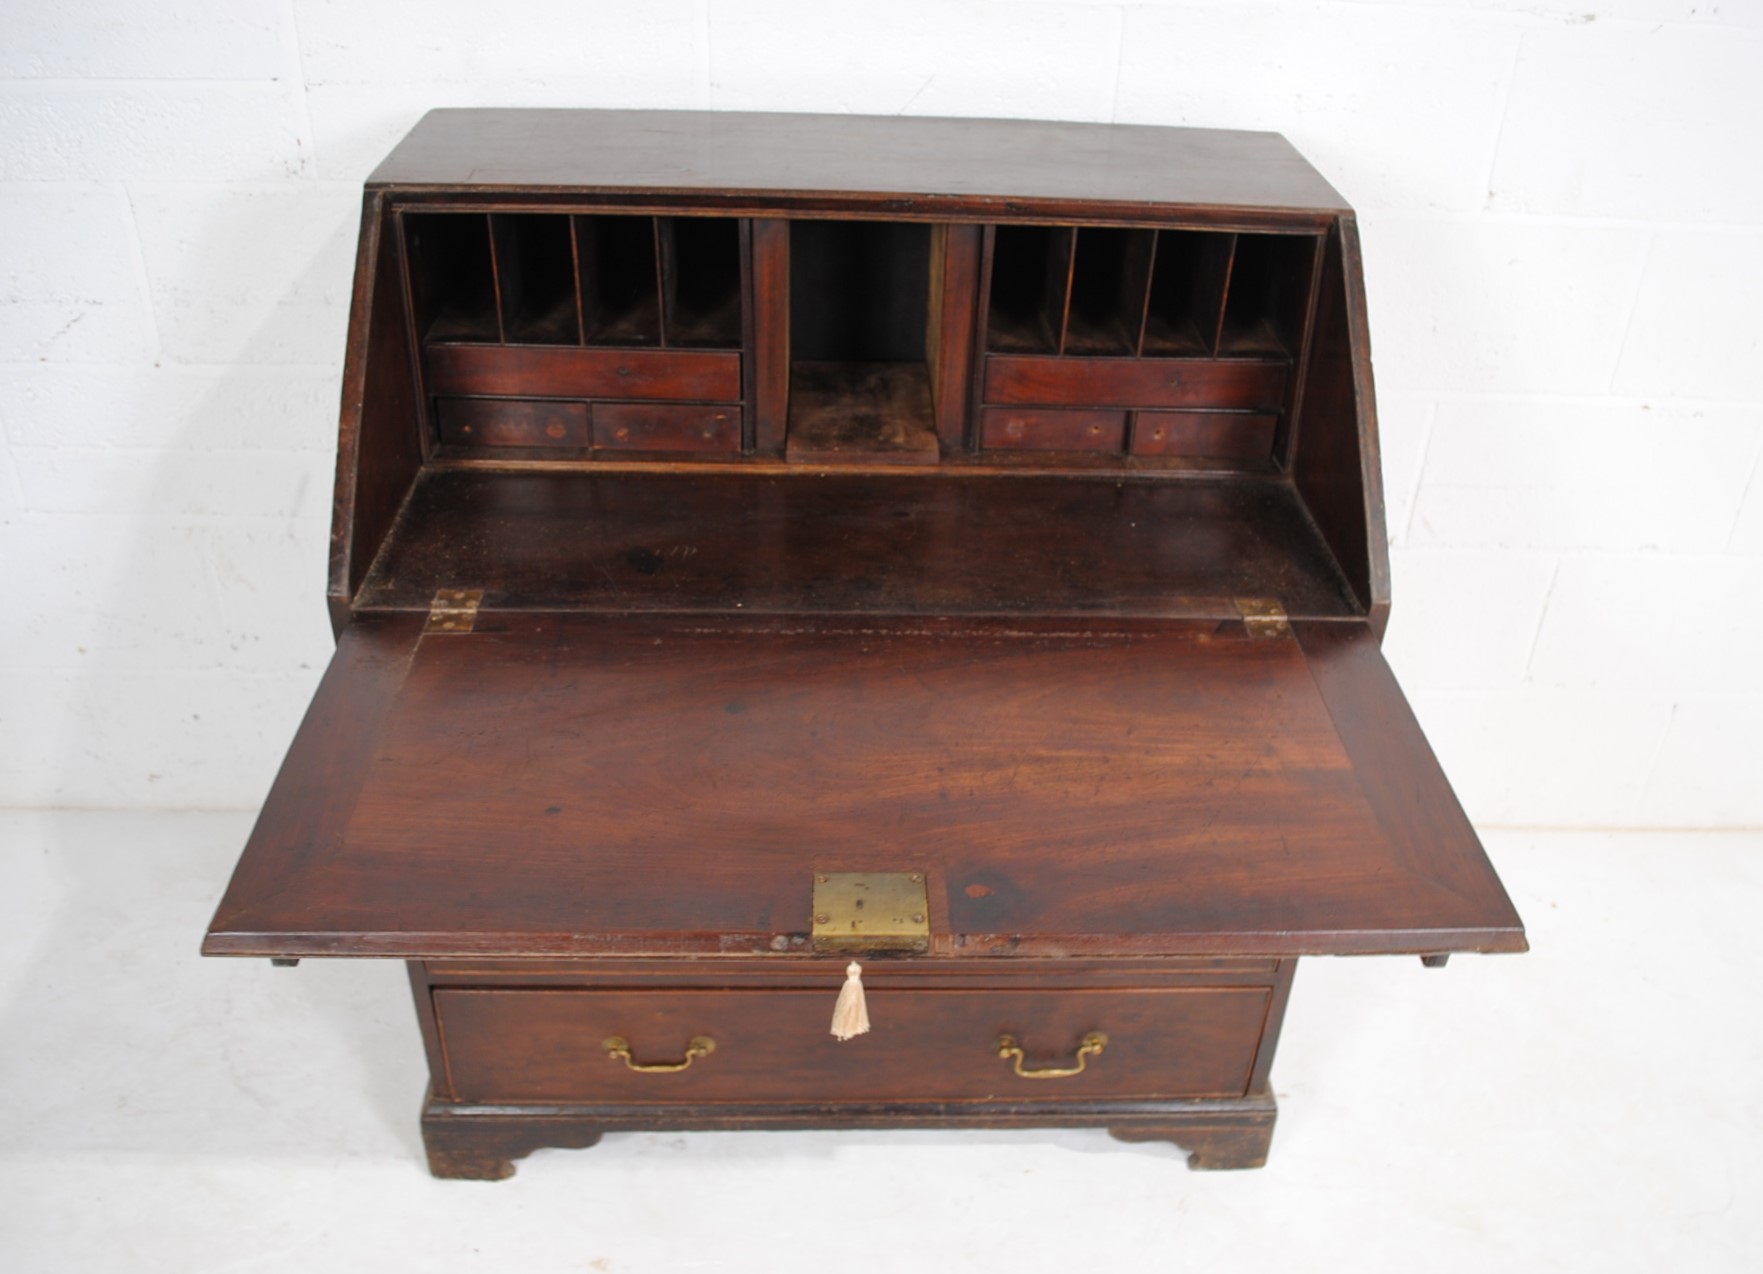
550, 371
512, 422
1051, 429
1234, 435
667, 427
550, 1046
1135, 382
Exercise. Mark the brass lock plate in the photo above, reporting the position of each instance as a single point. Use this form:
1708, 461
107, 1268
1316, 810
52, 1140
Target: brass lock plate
871, 911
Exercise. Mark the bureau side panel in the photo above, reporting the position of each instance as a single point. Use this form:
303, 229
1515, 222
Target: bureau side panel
379, 449
1335, 460
1276, 1016
422, 992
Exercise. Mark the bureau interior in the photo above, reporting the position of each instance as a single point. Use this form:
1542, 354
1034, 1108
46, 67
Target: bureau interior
1130, 292
600, 280
602, 335
869, 415
859, 341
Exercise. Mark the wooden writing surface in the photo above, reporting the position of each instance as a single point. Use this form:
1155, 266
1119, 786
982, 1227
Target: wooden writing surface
562, 784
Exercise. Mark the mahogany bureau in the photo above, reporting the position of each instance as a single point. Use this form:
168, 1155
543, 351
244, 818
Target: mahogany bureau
768, 543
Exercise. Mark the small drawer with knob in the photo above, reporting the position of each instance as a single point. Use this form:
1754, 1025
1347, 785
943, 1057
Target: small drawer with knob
1051, 429
666, 427
1225, 435
585, 1046
527, 423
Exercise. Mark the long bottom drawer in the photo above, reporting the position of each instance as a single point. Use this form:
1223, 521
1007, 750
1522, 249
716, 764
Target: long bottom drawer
533, 1045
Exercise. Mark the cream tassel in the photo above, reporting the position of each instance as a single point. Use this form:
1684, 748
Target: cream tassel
851, 1013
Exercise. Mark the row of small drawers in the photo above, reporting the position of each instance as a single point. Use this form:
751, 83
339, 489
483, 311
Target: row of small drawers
1147, 407
716, 427
606, 426
560, 1045
1221, 409
1236, 435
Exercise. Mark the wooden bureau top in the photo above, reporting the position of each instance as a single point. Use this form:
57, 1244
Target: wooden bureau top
920, 165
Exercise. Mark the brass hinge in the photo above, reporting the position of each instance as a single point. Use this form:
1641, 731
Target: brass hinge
1264, 617
871, 911
454, 610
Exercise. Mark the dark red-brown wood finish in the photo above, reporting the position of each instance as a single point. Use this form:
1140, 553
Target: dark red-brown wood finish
831, 164
379, 454
991, 501
574, 784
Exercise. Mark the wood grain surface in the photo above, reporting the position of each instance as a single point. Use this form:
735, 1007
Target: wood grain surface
1135, 382
864, 543
555, 371
569, 784
546, 1045
912, 164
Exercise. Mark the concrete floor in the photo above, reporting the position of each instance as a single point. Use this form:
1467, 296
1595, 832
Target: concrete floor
1595, 1105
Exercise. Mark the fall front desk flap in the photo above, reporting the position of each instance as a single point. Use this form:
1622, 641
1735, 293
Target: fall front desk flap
558, 784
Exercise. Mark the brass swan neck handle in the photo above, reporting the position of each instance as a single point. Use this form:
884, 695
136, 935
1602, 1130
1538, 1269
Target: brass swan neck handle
1090, 1046
618, 1048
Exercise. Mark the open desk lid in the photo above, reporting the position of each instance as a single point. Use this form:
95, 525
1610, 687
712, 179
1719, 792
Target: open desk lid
553, 785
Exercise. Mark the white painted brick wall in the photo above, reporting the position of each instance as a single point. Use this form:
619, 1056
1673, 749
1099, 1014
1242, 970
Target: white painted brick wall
1563, 221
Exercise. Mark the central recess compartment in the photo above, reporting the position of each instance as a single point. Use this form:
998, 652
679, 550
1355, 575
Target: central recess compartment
860, 295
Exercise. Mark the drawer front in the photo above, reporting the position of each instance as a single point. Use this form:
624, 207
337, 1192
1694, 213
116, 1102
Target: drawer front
1135, 382
1234, 435
1051, 429
513, 1046
512, 422
666, 427
560, 372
